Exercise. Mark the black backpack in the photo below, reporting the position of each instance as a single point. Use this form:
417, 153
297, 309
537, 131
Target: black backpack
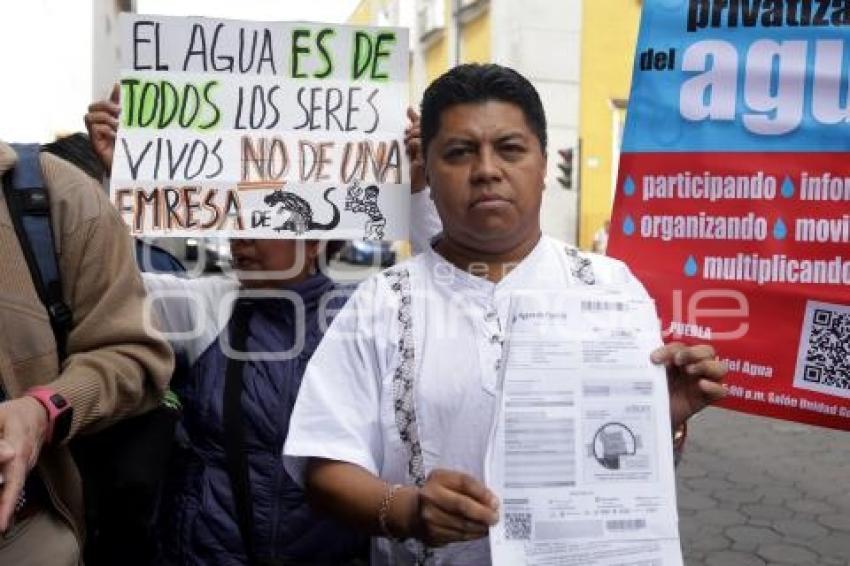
123, 466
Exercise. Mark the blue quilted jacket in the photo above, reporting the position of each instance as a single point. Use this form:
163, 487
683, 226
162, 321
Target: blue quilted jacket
198, 517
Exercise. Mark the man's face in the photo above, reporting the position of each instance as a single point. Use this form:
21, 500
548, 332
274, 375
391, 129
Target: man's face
486, 170
272, 263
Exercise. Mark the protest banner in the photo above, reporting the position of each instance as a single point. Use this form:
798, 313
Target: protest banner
733, 195
262, 129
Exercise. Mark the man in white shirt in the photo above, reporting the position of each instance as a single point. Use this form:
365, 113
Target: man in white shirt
390, 428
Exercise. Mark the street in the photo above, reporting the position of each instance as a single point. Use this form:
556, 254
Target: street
756, 491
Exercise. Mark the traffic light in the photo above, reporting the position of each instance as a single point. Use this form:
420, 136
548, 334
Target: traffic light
566, 167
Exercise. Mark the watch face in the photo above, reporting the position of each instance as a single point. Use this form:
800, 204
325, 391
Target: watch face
58, 401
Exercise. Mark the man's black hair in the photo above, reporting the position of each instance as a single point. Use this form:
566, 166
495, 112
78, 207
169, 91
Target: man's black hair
477, 83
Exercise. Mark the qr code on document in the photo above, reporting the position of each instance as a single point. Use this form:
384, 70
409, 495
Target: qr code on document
518, 526
823, 361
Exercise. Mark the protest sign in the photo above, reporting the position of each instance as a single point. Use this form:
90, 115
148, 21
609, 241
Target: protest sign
262, 129
733, 196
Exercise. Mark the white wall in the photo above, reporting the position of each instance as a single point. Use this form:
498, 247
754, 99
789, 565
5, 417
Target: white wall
46, 68
542, 40
106, 52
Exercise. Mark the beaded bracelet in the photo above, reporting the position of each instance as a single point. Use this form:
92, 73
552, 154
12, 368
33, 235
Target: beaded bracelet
384, 510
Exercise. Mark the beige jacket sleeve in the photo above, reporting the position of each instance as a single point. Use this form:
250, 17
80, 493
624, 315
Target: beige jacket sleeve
117, 364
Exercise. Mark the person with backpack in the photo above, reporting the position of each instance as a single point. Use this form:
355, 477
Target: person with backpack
228, 499
123, 467
75, 356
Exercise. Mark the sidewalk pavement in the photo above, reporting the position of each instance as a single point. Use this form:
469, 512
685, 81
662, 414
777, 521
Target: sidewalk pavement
761, 492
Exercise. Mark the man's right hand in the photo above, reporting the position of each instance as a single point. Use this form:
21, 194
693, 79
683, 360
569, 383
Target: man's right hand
413, 146
102, 125
454, 507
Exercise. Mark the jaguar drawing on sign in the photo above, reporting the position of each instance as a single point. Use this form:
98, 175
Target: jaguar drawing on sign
297, 212
358, 199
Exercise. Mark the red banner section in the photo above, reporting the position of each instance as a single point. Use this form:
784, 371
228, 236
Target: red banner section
749, 252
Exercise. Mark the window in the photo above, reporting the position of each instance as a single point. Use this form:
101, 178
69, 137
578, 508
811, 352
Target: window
431, 17
618, 123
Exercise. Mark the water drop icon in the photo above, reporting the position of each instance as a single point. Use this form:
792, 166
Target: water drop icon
628, 226
780, 231
788, 187
691, 266
629, 186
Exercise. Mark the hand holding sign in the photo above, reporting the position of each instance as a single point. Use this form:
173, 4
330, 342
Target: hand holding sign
102, 125
413, 146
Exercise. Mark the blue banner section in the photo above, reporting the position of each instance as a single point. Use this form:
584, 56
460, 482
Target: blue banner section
741, 75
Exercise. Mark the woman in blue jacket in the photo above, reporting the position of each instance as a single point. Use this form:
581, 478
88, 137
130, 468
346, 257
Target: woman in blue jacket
228, 499
209, 515
279, 320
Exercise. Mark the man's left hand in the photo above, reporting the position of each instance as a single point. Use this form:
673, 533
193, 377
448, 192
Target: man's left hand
694, 376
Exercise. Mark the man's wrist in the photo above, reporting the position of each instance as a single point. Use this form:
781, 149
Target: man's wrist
59, 413
403, 513
41, 417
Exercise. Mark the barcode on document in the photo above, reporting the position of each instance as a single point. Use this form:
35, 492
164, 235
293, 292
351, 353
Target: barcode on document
602, 306
626, 524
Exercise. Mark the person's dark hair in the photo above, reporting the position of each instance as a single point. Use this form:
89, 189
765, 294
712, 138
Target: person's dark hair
477, 83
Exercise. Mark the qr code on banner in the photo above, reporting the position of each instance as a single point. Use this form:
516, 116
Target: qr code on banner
518, 526
823, 362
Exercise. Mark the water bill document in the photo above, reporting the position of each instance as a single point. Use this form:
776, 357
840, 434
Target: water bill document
581, 453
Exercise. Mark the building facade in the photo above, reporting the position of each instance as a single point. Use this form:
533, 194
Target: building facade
607, 51
539, 38
106, 44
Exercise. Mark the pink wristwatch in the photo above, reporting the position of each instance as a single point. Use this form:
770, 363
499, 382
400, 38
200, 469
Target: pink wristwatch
59, 413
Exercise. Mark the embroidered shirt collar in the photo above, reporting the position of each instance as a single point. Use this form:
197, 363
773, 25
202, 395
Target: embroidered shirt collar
446, 272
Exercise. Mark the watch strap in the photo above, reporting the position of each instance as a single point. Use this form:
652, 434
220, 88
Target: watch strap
58, 413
